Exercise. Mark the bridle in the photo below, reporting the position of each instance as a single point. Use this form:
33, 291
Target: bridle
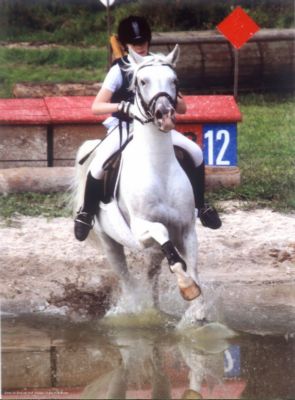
147, 110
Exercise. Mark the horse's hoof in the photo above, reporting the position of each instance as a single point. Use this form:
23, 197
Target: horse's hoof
191, 394
191, 292
187, 286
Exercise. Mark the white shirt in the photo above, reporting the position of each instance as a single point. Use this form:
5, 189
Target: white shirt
113, 80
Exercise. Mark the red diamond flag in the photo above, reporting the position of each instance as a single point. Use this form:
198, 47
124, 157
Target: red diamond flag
238, 27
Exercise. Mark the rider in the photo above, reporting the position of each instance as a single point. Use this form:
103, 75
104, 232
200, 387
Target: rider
116, 98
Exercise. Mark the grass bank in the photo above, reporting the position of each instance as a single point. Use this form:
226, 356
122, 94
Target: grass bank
266, 152
53, 64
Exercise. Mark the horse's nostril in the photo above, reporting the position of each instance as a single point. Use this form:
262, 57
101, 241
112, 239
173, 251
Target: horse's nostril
159, 114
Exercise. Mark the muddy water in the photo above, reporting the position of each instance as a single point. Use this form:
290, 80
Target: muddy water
141, 357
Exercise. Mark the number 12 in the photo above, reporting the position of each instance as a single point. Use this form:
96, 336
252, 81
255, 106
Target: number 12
220, 146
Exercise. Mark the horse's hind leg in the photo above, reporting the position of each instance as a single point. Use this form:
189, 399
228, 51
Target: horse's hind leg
153, 275
154, 260
117, 259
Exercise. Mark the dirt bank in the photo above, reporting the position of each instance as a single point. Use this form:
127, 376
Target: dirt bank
44, 268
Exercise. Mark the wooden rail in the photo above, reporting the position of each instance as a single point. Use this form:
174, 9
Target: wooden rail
204, 37
266, 62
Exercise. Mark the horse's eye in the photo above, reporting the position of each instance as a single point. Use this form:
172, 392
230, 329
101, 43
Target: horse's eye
142, 82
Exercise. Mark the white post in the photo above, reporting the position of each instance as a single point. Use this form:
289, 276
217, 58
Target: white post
109, 34
108, 4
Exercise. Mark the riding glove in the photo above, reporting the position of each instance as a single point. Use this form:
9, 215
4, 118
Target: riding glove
126, 108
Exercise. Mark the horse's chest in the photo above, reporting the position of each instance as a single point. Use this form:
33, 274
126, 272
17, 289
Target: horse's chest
146, 191
158, 195
155, 183
154, 186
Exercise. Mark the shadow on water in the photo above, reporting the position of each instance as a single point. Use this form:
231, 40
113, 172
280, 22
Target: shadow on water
141, 357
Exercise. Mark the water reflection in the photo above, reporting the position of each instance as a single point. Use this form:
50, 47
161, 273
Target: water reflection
141, 358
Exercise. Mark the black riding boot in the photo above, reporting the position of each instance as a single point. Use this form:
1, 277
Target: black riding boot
92, 196
207, 214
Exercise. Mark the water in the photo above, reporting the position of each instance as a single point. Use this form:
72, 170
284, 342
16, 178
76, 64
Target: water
140, 357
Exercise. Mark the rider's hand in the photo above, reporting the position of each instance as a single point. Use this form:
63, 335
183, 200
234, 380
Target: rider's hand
126, 108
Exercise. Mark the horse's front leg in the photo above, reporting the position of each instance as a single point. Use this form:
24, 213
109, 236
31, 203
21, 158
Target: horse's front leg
146, 233
187, 285
189, 250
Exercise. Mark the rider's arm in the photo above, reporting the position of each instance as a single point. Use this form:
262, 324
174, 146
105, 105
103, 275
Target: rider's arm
180, 105
102, 103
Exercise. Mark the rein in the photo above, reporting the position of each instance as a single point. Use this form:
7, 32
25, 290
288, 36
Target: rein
149, 108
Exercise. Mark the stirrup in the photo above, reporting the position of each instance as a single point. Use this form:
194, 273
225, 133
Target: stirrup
209, 217
85, 218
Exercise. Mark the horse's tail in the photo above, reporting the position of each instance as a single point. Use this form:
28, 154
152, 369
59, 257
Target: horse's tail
81, 171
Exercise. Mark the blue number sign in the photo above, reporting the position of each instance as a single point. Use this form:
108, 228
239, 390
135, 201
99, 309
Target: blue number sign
220, 144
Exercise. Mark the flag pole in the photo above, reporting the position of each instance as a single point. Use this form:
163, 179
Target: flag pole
236, 72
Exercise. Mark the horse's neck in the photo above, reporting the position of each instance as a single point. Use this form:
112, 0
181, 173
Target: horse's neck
150, 142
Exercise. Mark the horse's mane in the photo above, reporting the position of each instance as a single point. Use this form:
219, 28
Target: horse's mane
151, 59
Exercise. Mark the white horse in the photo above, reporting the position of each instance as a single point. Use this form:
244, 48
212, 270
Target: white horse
153, 207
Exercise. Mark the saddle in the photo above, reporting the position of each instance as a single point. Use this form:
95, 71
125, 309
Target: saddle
111, 176
112, 168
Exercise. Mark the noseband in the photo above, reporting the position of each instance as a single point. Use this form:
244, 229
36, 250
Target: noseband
149, 108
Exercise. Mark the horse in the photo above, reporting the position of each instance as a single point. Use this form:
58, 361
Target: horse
152, 208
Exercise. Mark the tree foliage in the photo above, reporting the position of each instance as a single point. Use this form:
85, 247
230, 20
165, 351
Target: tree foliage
85, 21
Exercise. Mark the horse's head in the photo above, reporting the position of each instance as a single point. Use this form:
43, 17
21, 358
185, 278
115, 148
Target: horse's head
156, 87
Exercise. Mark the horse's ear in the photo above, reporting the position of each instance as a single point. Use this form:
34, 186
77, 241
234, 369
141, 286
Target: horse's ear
173, 57
134, 57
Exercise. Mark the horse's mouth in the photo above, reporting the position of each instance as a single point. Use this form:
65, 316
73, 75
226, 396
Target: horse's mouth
167, 122
165, 119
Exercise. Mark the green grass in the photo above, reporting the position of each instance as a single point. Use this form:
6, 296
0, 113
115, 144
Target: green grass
35, 204
266, 151
50, 65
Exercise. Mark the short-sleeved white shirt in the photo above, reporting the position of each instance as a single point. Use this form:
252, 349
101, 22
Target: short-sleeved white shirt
113, 80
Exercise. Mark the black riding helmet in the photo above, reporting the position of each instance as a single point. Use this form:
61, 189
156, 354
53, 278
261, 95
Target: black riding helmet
134, 30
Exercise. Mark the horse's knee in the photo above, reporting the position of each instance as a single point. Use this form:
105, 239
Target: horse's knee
159, 232
148, 232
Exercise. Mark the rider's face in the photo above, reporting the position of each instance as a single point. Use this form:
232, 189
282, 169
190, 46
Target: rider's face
141, 49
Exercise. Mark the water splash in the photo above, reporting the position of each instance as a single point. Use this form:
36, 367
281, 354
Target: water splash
150, 318
132, 301
135, 309
211, 338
